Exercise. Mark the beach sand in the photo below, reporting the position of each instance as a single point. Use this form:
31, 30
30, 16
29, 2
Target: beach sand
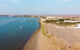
50, 40
32, 43
39, 41
45, 43
69, 36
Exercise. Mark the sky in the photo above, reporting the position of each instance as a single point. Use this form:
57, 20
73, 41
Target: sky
40, 7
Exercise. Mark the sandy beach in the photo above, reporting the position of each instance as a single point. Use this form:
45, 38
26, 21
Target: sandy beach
50, 37
39, 41
69, 36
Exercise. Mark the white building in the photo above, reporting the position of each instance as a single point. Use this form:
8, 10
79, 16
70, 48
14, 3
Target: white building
71, 21
53, 18
77, 26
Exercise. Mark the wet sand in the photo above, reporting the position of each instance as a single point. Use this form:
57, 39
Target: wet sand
32, 42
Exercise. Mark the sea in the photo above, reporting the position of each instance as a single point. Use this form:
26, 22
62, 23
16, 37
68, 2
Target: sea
16, 31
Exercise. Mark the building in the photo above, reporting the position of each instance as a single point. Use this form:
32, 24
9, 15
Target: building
53, 18
71, 21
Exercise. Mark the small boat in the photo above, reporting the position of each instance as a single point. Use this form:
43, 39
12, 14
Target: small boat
20, 27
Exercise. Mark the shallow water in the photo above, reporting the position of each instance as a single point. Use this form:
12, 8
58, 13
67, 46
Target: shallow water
15, 31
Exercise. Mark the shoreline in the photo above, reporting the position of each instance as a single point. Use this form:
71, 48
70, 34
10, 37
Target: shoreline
40, 41
32, 38
35, 32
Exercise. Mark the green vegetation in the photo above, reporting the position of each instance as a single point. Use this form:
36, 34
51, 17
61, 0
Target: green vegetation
43, 17
44, 32
50, 21
61, 22
43, 29
63, 48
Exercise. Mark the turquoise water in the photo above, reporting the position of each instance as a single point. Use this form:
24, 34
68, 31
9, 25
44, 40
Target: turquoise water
15, 31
